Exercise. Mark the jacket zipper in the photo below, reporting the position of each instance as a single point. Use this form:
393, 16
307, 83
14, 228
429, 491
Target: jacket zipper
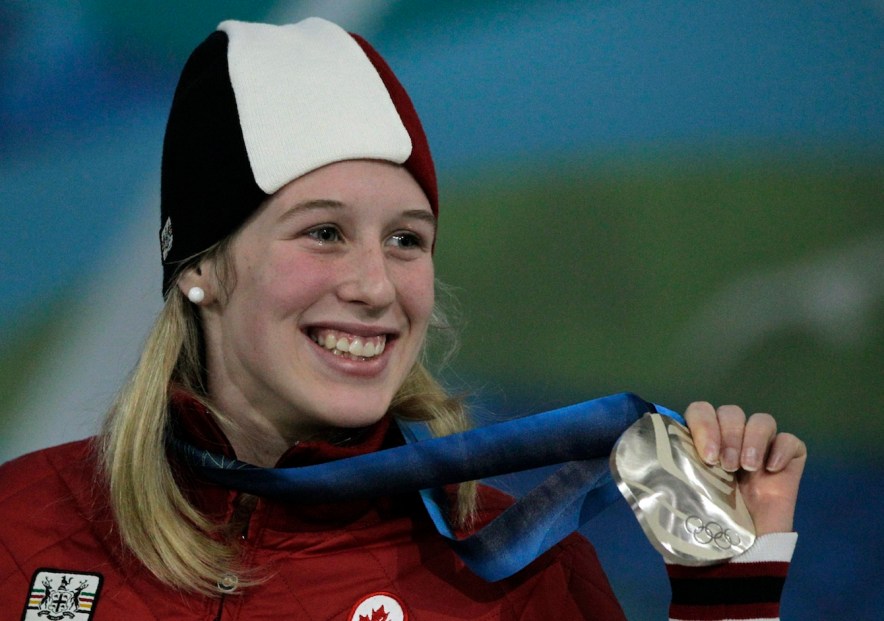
220, 608
229, 581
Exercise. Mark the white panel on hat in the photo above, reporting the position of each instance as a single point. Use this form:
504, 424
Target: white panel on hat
308, 96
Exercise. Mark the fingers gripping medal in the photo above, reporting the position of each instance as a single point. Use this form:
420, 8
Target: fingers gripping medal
692, 513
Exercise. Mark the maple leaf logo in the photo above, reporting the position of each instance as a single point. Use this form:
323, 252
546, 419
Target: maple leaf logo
378, 614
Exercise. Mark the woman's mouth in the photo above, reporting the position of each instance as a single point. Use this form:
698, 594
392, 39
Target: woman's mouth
349, 345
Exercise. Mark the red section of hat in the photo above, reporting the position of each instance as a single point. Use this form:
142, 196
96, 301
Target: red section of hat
420, 162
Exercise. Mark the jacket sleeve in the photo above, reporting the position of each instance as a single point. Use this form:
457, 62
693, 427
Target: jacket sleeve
747, 587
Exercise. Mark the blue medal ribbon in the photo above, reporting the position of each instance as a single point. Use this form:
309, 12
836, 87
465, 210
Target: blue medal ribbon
577, 438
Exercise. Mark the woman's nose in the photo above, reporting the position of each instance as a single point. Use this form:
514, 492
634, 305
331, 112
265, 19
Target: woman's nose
368, 281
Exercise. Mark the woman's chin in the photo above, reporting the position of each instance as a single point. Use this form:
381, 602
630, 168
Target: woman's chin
352, 416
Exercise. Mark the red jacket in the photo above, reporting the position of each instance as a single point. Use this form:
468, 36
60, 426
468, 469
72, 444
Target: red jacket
321, 562
379, 560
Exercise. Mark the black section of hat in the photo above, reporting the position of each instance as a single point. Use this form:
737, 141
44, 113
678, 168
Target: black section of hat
208, 189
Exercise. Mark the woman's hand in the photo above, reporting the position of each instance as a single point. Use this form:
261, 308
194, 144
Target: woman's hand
768, 464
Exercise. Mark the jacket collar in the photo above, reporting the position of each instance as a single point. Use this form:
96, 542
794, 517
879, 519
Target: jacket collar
198, 426
194, 423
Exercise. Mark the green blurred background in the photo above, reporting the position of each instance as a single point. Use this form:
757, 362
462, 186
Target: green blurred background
736, 277
682, 199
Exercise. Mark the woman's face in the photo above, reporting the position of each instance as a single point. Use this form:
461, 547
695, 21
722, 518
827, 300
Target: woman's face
331, 298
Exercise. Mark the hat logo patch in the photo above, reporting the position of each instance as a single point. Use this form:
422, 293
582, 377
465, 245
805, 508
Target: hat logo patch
379, 607
57, 595
166, 238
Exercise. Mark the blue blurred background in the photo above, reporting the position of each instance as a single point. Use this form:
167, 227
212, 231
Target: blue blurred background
684, 199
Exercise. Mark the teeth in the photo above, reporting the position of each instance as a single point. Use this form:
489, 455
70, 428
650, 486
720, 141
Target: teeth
356, 347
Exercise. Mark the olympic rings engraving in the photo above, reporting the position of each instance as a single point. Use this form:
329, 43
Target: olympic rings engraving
711, 533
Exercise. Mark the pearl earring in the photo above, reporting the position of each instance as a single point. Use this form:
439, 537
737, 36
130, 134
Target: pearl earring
196, 294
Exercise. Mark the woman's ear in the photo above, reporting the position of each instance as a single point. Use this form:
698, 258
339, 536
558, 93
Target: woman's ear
197, 284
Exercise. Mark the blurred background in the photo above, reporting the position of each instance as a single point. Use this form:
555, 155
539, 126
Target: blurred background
683, 199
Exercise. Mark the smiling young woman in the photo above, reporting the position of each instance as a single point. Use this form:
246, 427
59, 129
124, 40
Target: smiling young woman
332, 299
311, 323
298, 221
331, 255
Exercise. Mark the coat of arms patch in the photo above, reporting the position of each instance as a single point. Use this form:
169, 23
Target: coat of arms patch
57, 595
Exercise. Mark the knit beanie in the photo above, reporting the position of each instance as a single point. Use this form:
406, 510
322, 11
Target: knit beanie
258, 106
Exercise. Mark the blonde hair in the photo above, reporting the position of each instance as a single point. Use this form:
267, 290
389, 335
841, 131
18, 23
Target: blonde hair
156, 521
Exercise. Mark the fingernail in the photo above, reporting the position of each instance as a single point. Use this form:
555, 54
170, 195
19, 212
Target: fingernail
731, 459
750, 459
775, 464
710, 456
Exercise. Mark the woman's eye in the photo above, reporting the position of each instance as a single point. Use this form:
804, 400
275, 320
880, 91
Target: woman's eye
325, 234
407, 240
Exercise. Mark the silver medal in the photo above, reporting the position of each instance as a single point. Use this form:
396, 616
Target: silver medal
692, 513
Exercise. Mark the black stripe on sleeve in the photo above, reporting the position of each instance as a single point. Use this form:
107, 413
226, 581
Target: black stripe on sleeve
693, 592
